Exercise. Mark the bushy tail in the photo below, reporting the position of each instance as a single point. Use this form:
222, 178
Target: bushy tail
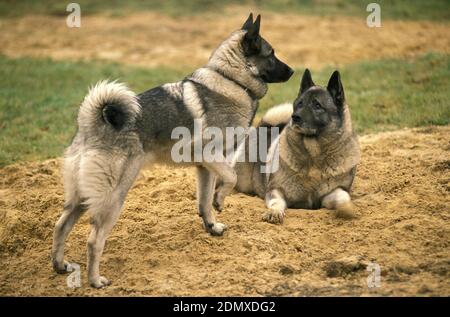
108, 105
277, 116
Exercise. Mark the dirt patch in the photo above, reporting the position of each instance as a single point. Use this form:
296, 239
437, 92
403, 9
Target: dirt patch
159, 247
151, 39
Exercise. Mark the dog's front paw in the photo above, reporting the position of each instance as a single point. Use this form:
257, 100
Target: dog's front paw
61, 267
275, 216
217, 229
99, 282
346, 211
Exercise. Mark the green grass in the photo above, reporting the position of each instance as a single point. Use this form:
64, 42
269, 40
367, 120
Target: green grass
39, 101
390, 9
39, 98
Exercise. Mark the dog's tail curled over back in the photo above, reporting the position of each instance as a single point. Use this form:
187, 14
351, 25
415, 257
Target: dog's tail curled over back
108, 106
277, 116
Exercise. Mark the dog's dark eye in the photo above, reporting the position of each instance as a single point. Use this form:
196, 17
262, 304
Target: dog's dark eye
317, 106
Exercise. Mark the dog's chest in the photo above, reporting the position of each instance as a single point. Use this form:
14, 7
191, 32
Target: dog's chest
306, 176
312, 146
243, 110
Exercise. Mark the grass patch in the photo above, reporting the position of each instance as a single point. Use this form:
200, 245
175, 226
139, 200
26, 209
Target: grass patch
39, 99
398, 9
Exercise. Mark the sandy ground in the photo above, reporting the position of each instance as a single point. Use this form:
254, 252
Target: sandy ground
151, 39
158, 247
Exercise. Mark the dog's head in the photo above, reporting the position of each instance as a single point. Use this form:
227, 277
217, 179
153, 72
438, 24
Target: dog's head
318, 109
260, 56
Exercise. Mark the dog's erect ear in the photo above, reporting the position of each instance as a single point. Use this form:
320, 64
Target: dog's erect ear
252, 40
253, 32
249, 23
306, 83
336, 89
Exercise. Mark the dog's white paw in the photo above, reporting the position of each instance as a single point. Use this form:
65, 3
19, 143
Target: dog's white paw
276, 205
99, 282
274, 215
61, 267
218, 229
345, 211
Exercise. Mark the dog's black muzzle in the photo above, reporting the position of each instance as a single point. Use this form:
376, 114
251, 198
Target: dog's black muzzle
302, 126
279, 73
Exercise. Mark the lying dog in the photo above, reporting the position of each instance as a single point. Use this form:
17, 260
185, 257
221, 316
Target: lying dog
318, 153
119, 131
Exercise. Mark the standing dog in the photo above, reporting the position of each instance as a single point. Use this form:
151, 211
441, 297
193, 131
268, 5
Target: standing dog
318, 153
118, 131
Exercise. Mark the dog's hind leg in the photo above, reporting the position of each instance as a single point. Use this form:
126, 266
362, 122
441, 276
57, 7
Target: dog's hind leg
72, 212
339, 200
205, 192
102, 224
73, 209
105, 206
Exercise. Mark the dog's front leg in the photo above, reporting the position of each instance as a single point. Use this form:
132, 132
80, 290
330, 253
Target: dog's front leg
339, 200
277, 207
205, 191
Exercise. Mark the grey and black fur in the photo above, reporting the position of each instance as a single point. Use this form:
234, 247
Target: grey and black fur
318, 153
119, 132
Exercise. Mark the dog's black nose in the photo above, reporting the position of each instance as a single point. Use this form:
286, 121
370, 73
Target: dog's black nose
296, 118
291, 71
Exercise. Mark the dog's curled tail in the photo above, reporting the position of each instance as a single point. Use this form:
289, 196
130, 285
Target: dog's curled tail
277, 116
108, 105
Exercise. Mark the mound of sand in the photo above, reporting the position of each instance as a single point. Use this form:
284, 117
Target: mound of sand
159, 247
299, 40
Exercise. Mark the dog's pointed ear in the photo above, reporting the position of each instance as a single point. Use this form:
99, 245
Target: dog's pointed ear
254, 31
306, 82
249, 23
253, 28
252, 40
336, 89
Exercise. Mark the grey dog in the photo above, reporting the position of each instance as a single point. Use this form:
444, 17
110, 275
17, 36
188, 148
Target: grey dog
119, 132
318, 153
